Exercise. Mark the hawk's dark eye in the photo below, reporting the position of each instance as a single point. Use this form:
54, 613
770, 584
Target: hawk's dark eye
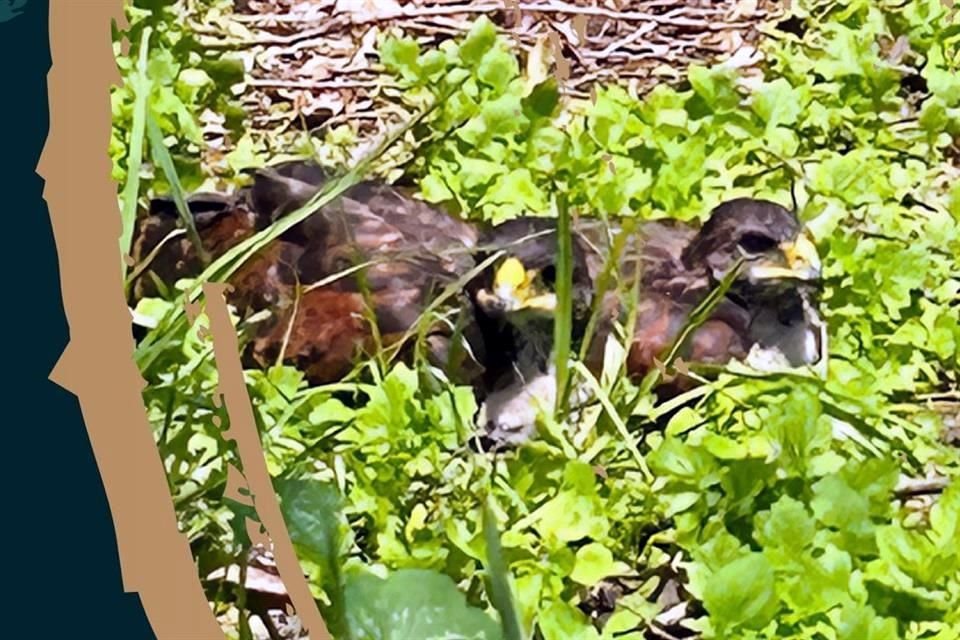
756, 243
549, 275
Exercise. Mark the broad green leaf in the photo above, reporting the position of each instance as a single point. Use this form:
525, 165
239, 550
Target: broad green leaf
479, 40
683, 462
434, 189
503, 115
778, 103
797, 430
860, 622
560, 621
788, 524
543, 99
742, 594
945, 517
518, 187
595, 562
431, 64
715, 85
497, 68
330, 411
401, 55
413, 603
576, 512
311, 510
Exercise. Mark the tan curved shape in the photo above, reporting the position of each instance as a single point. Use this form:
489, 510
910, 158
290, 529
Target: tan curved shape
97, 365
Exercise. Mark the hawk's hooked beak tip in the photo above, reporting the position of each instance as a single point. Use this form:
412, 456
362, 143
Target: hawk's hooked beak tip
802, 257
544, 303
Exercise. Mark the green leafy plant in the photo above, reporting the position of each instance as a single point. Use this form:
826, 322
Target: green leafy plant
768, 503
409, 603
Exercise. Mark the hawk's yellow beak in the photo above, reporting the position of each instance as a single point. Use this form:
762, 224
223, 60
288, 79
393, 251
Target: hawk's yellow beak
802, 257
802, 262
511, 278
514, 290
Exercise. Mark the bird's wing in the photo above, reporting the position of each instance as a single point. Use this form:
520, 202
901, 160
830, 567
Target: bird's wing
268, 279
419, 225
376, 222
653, 249
656, 250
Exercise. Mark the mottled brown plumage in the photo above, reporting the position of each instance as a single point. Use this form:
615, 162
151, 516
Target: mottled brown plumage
377, 254
222, 222
383, 255
674, 267
327, 333
374, 252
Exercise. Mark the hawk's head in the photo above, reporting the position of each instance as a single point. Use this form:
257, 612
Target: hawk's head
774, 245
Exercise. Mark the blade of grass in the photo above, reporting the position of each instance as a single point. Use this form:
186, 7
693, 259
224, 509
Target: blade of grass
618, 422
703, 310
144, 264
697, 317
498, 581
161, 157
632, 293
700, 313
603, 284
683, 399
293, 320
563, 320
617, 235
131, 189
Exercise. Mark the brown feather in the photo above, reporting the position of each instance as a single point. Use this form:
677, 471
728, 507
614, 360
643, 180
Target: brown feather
328, 331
